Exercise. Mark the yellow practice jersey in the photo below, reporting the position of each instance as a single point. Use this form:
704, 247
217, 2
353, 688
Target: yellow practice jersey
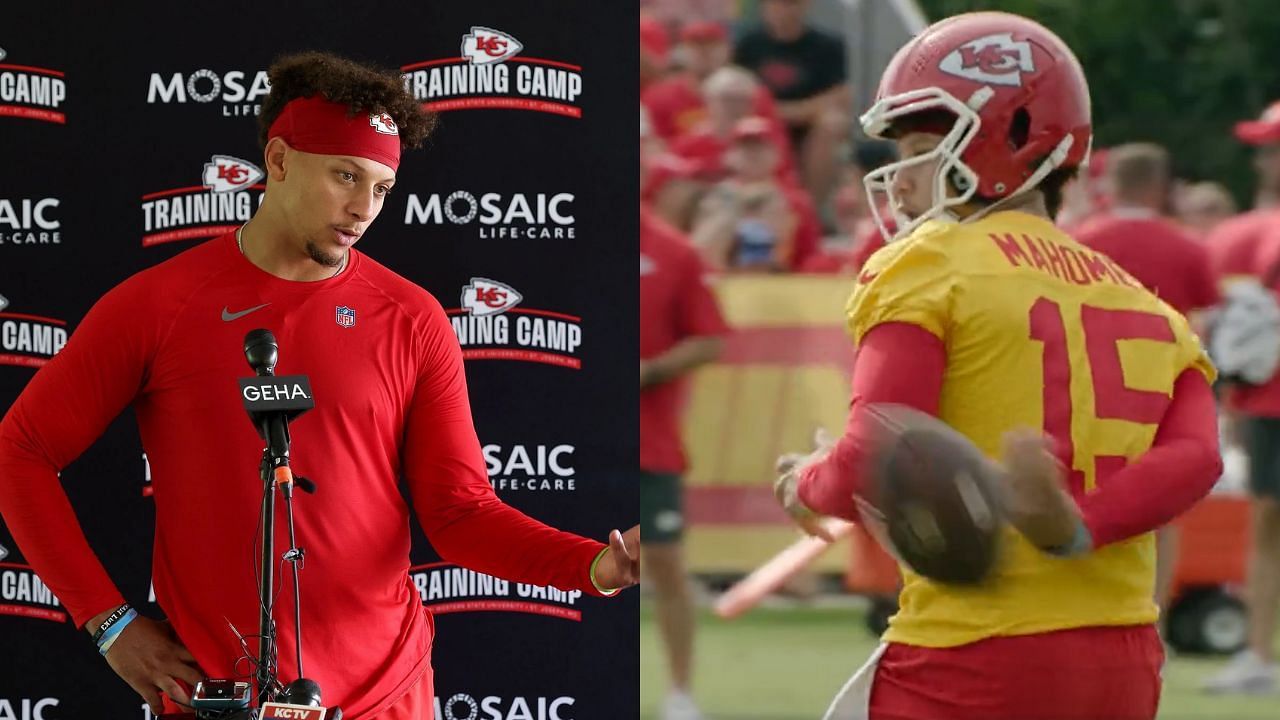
1040, 332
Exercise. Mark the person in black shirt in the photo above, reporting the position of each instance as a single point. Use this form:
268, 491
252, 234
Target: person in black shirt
805, 70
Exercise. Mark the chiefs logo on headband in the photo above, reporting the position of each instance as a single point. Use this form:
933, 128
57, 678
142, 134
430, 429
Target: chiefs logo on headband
384, 124
316, 125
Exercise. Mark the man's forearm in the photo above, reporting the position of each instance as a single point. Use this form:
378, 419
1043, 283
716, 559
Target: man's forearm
681, 359
489, 536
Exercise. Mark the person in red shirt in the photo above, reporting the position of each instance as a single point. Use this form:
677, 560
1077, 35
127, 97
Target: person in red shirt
1248, 246
1233, 244
676, 100
391, 401
729, 94
750, 221
655, 49
680, 329
667, 184
1162, 256
1137, 234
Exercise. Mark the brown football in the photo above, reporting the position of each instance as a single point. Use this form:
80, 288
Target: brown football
937, 495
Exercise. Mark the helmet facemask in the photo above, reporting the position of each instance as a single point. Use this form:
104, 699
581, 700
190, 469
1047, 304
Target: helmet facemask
952, 174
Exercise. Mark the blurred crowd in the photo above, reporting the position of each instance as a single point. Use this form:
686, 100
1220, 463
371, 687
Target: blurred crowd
750, 146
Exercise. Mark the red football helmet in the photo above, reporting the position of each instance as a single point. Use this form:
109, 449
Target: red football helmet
1020, 102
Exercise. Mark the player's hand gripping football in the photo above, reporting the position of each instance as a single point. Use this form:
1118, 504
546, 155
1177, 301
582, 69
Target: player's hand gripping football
786, 487
149, 656
1036, 500
620, 567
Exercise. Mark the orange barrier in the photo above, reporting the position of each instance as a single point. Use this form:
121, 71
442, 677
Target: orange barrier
1213, 546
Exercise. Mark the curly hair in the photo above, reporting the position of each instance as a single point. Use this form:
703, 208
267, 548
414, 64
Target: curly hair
363, 88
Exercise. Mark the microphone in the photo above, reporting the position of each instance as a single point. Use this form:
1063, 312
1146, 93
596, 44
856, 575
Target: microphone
300, 701
261, 350
273, 401
303, 691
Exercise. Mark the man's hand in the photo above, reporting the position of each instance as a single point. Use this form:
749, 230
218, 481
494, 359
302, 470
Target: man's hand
619, 567
149, 656
786, 487
1035, 497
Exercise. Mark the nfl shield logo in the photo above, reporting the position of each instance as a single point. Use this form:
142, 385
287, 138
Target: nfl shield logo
346, 317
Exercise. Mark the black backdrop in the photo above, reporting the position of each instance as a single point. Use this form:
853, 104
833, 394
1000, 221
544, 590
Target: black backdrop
105, 108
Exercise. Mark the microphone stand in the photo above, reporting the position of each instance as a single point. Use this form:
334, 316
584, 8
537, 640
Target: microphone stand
275, 471
266, 628
271, 410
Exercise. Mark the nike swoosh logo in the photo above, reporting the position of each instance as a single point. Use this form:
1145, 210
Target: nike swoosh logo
229, 316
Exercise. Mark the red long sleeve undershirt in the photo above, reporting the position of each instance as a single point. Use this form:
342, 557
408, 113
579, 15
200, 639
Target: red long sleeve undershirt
905, 364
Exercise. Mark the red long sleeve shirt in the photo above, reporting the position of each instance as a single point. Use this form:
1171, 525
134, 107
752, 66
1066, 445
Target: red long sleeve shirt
905, 364
391, 401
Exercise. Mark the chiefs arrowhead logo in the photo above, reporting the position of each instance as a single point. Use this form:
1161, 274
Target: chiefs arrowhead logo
384, 124
489, 297
996, 59
224, 173
486, 45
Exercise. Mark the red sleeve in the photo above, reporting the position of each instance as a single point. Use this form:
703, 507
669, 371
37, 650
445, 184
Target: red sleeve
1180, 468
896, 363
699, 314
462, 516
63, 410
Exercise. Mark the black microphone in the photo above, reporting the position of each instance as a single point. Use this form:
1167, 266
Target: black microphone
262, 351
303, 691
271, 400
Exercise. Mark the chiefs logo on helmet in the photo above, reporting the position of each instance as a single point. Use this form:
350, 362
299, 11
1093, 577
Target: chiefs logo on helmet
996, 59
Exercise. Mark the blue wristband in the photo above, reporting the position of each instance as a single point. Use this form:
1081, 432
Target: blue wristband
109, 637
1081, 542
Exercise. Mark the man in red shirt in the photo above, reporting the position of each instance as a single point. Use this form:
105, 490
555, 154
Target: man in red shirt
1233, 244
680, 329
1247, 245
1167, 261
1136, 233
387, 369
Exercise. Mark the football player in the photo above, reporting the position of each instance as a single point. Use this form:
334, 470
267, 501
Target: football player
1039, 350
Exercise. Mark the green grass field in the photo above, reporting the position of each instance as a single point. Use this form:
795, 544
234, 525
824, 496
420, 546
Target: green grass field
786, 664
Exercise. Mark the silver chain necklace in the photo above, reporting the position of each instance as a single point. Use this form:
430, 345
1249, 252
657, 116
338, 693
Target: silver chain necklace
240, 245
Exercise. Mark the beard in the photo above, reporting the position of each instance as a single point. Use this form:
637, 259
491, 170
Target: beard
321, 257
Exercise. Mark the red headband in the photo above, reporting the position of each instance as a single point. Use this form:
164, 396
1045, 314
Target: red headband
315, 125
